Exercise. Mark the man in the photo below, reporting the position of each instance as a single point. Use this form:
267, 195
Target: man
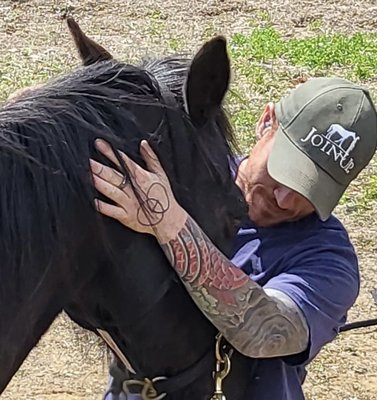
294, 274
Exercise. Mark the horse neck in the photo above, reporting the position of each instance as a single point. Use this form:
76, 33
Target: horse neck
137, 297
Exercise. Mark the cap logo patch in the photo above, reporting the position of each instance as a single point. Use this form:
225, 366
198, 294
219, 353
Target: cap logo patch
337, 143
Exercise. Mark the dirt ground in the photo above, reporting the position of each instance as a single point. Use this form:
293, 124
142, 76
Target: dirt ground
70, 364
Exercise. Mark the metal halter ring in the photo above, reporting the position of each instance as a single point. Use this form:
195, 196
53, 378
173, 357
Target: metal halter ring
148, 391
124, 182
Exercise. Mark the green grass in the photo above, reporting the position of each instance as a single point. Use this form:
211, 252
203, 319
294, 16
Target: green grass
362, 196
357, 53
175, 44
156, 14
261, 45
157, 24
15, 74
371, 190
315, 25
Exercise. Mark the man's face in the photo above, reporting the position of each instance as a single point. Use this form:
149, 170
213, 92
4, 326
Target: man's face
270, 203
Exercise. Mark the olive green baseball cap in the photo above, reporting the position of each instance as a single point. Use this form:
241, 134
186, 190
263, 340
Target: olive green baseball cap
327, 134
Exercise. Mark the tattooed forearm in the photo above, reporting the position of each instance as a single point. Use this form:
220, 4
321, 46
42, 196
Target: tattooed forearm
256, 323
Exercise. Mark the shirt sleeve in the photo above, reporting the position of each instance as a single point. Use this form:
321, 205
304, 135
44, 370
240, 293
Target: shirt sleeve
324, 285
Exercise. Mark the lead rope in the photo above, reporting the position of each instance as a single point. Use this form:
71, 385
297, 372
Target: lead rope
223, 366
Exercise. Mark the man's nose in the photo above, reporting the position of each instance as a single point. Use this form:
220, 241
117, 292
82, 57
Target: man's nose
285, 197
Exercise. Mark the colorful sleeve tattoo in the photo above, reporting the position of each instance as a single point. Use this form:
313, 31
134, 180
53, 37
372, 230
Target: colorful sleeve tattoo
255, 322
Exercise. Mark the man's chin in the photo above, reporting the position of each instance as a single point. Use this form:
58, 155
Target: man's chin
267, 221
264, 221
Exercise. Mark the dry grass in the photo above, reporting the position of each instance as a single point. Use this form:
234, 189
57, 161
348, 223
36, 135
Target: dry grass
35, 46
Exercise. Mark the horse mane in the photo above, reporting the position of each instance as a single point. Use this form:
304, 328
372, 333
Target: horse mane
53, 103
47, 137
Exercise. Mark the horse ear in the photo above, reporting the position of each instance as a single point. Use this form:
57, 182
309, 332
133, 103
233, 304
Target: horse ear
90, 52
207, 80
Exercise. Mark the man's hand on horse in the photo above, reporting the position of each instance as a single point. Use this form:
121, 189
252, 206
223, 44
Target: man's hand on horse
143, 200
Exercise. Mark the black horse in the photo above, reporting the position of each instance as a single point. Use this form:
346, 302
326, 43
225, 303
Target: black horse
58, 254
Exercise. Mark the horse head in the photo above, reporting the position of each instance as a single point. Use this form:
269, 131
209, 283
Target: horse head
58, 253
198, 87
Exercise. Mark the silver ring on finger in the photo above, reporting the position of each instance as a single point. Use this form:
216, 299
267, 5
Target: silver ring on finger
124, 182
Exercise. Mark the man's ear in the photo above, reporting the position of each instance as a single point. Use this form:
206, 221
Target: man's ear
267, 121
90, 52
207, 80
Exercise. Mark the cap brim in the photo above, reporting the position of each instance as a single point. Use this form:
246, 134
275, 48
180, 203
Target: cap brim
289, 166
